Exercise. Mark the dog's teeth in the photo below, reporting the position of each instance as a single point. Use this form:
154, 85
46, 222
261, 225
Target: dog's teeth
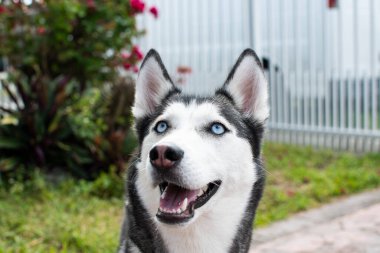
178, 210
184, 205
200, 193
163, 194
204, 188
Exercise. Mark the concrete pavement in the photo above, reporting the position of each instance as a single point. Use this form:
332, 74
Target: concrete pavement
350, 225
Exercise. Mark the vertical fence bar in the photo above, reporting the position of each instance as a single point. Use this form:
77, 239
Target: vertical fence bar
270, 59
298, 77
291, 98
285, 63
342, 108
326, 69
313, 99
357, 81
351, 85
340, 81
292, 77
366, 98
280, 85
320, 100
304, 103
328, 99
306, 106
357, 103
335, 83
311, 67
373, 53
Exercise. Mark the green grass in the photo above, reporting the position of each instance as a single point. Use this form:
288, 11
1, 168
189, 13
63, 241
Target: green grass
300, 178
85, 217
74, 217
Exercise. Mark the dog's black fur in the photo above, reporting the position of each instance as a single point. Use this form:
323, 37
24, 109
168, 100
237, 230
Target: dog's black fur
138, 229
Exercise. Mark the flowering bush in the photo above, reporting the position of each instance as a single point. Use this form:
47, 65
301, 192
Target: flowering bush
64, 63
82, 40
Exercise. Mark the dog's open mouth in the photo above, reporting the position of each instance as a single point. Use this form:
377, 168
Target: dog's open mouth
177, 204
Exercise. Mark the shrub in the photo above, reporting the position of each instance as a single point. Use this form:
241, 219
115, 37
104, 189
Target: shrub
69, 106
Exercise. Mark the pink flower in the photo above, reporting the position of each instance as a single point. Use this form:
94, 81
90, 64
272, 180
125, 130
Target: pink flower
137, 5
126, 66
136, 51
154, 11
135, 69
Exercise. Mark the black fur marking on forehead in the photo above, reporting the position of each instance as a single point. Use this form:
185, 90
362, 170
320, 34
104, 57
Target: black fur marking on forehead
142, 124
247, 128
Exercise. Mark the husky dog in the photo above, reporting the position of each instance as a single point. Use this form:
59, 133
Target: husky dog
198, 177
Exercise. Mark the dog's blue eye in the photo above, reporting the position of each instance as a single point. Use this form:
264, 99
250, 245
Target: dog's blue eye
218, 129
161, 127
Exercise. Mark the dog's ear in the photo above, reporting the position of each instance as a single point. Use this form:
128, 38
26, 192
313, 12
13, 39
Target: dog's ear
152, 86
248, 87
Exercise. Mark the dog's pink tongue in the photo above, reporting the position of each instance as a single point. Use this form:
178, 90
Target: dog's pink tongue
173, 198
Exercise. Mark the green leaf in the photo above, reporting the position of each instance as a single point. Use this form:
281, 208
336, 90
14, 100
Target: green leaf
10, 143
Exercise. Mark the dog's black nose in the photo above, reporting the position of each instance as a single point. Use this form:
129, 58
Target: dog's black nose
165, 157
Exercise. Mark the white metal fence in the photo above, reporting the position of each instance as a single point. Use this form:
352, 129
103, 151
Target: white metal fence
323, 64
324, 72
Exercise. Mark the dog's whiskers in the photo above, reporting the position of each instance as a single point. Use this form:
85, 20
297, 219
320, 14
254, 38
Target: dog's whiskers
261, 166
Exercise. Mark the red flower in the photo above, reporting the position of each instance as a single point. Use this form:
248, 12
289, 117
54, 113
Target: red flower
137, 5
125, 55
2, 9
154, 11
126, 66
184, 70
41, 30
136, 51
135, 69
91, 4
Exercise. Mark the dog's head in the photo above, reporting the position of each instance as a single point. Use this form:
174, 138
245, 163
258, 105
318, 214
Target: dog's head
197, 153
